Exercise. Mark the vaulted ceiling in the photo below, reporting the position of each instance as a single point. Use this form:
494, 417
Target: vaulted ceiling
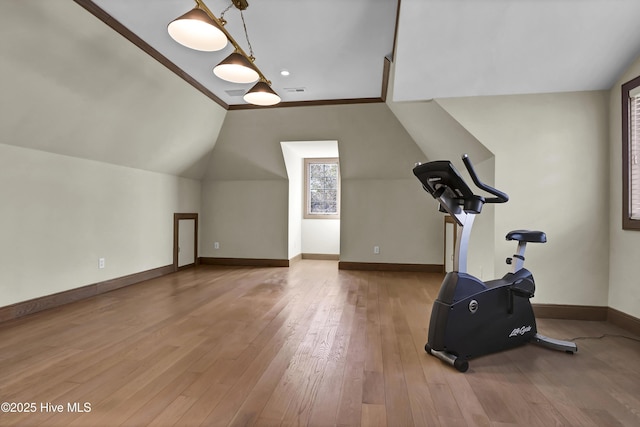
335, 49
72, 85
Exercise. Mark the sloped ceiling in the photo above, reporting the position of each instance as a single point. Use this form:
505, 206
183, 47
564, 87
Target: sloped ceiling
335, 49
82, 90
71, 85
457, 48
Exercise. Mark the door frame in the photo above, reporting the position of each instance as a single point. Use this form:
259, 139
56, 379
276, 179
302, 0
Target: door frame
176, 220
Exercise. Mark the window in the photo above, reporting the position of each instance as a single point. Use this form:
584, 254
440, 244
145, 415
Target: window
322, 189
631, 155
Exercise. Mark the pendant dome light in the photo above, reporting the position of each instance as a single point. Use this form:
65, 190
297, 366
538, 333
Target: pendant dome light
196, 30
261, 94
200, 29
236, 69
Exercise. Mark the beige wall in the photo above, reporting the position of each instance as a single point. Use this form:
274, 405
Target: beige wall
382, 203
396, 215
551, 155
624, 281
83, 90
482, 258
248, 218
60, 214
93, 132
441, 137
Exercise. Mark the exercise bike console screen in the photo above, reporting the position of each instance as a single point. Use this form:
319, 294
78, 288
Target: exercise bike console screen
439, 174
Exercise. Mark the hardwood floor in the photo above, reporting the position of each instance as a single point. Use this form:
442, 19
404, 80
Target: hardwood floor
305, 345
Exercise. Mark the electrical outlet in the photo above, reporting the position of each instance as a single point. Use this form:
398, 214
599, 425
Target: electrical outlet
216, 245
101, 263
376, 250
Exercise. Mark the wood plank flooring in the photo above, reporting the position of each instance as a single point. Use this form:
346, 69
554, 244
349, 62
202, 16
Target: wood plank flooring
306, 345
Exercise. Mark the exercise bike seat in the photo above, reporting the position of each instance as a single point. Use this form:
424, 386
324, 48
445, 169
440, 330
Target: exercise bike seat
527, 236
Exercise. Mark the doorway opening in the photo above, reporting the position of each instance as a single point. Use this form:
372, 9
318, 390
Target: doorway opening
185, 240
315, 236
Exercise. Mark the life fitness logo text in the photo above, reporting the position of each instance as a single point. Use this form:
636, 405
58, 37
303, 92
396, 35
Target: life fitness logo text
519, 331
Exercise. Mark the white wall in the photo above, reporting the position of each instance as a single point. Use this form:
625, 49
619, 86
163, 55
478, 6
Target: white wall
60, 214
624, 281
321, 236
294, 171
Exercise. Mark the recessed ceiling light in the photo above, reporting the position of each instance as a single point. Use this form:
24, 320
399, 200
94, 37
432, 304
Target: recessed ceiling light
284, 73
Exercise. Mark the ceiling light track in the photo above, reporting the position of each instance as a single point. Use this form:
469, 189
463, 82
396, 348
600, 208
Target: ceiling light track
200, 29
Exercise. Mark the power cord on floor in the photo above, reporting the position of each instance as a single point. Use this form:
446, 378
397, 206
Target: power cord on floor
605, 336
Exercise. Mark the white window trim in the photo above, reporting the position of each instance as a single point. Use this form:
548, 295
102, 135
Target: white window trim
305, 209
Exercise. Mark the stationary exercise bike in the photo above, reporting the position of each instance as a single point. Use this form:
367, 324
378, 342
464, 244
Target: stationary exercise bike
471, 318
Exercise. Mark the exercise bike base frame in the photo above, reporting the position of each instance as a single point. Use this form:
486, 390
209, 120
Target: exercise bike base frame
462, 365
453, 360
554, 344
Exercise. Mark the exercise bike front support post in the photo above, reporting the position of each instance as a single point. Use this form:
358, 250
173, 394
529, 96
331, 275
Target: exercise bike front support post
462, 243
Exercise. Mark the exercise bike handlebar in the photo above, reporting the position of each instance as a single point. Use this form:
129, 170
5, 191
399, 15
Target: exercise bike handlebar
500, 196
